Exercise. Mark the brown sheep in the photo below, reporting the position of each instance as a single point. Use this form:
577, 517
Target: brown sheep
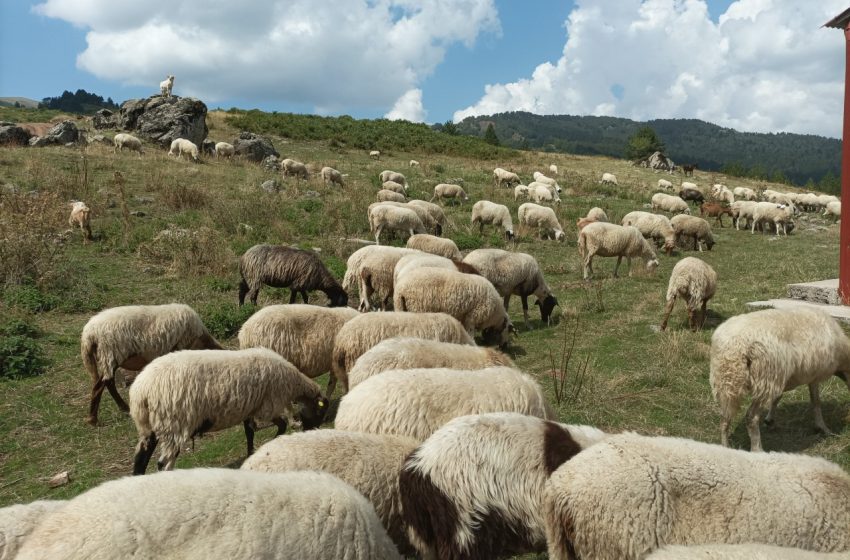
716, 210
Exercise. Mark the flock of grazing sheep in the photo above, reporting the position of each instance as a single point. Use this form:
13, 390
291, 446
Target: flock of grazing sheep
441, 448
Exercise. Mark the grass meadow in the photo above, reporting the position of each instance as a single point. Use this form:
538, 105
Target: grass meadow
622, 373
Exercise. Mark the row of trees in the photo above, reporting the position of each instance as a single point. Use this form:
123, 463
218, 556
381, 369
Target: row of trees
80, 102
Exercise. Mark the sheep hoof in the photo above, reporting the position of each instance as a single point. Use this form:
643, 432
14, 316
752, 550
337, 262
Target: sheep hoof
91, 420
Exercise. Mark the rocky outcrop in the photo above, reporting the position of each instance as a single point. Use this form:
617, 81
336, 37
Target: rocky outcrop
163, 119
104, 119
12, 134
254, 147
63, 134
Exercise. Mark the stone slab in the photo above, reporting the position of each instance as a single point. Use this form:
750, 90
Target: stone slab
823, 291
839, 312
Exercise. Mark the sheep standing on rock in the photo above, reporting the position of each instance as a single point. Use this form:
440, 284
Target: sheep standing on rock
370, 463
447, 191
629, 495
224, 150
385, 403
434, 245
331, 176
694, 281
610, 240
285, 267
417, 353
384, 217
290, 167
188, 393
195, 514
81, 217
654, 226
302, 334
490, 213
130, 337
166, 86
692, 226
515, 274
123, 140
543, 218
771, 351
469, 298
608, 179
490, 471
360, 334
181, 147
504, 178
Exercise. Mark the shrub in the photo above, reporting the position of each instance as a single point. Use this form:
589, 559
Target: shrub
20, 354
30, 244
186, 251
29, 297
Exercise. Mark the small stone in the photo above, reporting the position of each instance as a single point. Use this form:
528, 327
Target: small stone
60, 479
311, 194
272, 186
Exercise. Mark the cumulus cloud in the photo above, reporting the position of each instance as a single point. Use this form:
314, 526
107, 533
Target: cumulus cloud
327, 54
408, 107
765, 65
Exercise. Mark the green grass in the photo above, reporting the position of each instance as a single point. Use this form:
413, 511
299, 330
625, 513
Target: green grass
24, 115
637, 378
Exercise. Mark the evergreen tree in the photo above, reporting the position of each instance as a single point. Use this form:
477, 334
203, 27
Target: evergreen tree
449, 128
490, 135
643, 144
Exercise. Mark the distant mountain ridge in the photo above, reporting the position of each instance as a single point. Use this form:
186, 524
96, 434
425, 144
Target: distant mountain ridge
21, 101
799, 157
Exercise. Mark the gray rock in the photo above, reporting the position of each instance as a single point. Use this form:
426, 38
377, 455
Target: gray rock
311, 194
272, 163
254, 147
104, 119
272, 186
39, 141
63, 133
143, 199
98, 138
11, 133
163, 119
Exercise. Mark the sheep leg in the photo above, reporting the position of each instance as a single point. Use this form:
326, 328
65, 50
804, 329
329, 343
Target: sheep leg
588, 267
110, 384
167, 464
814, 394
754, 414
144, 452
249, 434
94, 404
702, 313
768, 420
292, 294
378, 234
281, 424
617, 266
667, 310
304, 295
331, 385
524, 299
692, 322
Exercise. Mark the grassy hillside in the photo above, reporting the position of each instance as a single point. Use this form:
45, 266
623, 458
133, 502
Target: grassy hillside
637, 378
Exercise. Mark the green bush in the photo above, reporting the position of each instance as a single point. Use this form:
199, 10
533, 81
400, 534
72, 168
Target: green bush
224, 320
20, 353
29, 298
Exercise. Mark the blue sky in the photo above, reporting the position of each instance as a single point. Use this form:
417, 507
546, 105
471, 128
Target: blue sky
434, 61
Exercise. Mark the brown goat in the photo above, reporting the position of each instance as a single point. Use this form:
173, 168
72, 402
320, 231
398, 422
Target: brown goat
716, 210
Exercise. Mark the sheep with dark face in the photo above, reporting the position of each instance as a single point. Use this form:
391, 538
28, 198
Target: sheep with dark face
284, 267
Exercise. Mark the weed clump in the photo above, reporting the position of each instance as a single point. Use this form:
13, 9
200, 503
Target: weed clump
20, 353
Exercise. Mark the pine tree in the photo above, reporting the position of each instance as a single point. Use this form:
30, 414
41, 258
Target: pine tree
643, 144
490, 135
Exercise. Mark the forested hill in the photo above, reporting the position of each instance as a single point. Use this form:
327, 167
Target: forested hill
799, 157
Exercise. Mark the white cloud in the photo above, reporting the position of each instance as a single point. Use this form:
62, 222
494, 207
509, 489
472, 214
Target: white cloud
766, 65
408, 107
332, 55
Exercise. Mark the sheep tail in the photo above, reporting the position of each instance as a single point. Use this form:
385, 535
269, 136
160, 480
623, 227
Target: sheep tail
89, 354
582, 245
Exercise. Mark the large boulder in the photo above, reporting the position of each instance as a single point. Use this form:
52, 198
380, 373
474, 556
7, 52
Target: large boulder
14, 135
254, 147
63, 133
104, 119
163, 119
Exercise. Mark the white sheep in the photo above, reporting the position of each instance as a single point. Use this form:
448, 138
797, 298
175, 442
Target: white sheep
417, 402
693, 226
224, 149
123, 140
776, 214
722, 193
469, 298
371, 270
541, 193
387, 175
515, 274
670, 203
628, 495
166, 86
416, 353
689, 185
393, 186
543, 218
81, 217
504, 178
360, 334
597, 214
491, 472
426, 260
383, 217
744, 192
413, 163
302, 334
370, 463
749, 551
130, 337
181, 146
610, 240
548, 181
694, 281
654, 226
290, 167
768, 352
490, 213
331, 176
375, 154
190, 392
197, 514
665, 184
447, 191
553, 169
520, 191
18, 521
434, 210
385, 195
833, 208
608, 179
434, 245
425, 214
742, 209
